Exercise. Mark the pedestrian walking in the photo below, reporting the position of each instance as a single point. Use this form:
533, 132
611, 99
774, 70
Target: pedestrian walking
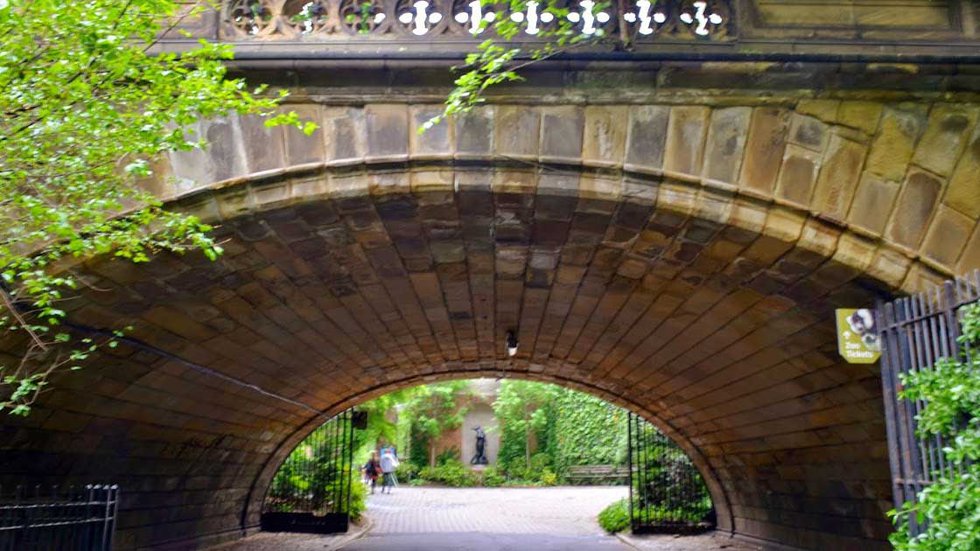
372, 469
388, 465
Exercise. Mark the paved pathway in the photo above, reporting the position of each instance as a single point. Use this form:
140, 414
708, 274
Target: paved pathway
562, 510
487, 519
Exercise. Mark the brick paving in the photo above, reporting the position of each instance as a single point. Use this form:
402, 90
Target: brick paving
562, 510
499, 519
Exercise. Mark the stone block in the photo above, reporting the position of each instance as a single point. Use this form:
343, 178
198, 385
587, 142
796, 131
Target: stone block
561, 133
676, 198
764, 148
263, 146
916, 203
970, 257
597, 186
945, 135
685, 139
838, 177
300, 148
431, 180
854, 251
895, 141
384, 183
387, 130
798, 174
518, 131
647, 136
435, 141
964, 186
726, 143
872, 203
890, 267
808, 132
604, 136
921, 279
784, 225
863, 115
948, 234
823, 109
474, 132
344, 135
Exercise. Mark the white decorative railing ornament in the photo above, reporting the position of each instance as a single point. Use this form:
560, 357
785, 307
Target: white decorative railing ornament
347, 19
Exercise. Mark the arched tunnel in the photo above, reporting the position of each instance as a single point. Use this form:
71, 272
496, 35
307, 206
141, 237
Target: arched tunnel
659, 275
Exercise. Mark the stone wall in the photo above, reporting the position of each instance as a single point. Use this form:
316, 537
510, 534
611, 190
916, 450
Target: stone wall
679, 253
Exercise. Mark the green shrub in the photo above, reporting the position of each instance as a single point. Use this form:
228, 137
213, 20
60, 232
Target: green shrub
451, 473
615, 517
548, 477
406, 471
448, 456
541, 461
492, 478
358, 495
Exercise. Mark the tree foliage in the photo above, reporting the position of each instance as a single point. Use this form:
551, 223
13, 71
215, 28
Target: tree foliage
522, 409
950, 506
86, 108
435, 409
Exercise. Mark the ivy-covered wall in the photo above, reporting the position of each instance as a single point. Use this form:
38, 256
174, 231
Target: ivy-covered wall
546, 426
587, 431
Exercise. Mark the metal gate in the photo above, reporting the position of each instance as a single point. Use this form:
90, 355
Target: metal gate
311, 490
72, 518
667, 493
915, 332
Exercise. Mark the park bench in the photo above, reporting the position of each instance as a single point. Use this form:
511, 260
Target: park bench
597, 474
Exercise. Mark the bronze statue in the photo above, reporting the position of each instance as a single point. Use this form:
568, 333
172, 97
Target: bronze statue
480, 458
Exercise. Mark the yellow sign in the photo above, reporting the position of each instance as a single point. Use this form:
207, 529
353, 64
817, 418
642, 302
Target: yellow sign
857, 337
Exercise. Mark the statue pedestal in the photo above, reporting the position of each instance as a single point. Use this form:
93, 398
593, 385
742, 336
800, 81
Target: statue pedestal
478, 467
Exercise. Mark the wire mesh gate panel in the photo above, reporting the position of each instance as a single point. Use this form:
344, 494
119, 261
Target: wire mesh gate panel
311, 490
667, 493
915, 332
66, 518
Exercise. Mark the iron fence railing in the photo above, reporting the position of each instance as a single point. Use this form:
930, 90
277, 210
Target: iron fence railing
58, 518
667, 493
311, 490
915, 332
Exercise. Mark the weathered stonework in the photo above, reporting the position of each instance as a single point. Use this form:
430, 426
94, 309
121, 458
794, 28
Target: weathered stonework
681, 258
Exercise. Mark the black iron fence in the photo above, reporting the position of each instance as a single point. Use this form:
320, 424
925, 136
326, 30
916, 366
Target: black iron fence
916, 332
63, 519
667, 493
311, 490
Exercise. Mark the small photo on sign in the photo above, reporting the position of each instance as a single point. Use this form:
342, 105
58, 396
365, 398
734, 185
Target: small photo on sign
862, 323
857, 337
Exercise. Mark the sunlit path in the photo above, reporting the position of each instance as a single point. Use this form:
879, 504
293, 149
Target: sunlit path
569, 511
450, 541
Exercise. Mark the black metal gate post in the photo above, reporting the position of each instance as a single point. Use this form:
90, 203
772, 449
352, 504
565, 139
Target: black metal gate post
915, 332
311, 491
667, 493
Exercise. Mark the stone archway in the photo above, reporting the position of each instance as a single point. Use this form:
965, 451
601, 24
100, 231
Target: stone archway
674, 283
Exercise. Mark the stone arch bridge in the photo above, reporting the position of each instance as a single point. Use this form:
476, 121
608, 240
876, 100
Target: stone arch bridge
670, 233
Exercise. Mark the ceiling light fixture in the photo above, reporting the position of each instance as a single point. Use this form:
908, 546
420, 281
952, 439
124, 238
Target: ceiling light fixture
511, 343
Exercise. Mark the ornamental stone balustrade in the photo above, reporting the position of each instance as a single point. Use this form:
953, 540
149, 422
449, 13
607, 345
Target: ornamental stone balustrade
747, 29
668, 229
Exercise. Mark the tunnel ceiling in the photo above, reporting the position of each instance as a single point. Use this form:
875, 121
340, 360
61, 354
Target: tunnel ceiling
722, 332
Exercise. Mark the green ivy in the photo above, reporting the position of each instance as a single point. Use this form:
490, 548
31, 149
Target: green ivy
588, 431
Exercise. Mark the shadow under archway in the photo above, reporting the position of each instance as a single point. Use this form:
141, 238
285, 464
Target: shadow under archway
720, 333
